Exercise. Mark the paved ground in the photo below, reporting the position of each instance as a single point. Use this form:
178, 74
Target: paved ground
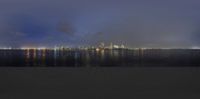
99, 83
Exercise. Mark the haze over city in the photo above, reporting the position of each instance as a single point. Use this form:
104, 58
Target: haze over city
136, 23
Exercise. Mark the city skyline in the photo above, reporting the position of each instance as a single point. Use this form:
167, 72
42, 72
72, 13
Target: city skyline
101, 45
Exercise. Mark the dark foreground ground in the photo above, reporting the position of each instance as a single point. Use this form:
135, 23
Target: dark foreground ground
99, 83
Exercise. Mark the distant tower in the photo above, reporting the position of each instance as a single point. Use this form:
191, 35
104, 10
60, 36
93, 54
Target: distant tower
122, 46
55, 47
111, 45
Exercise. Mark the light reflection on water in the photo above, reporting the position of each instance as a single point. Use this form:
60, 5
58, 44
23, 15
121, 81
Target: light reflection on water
77, 58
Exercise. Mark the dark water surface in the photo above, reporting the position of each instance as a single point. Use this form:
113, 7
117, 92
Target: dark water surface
106, 58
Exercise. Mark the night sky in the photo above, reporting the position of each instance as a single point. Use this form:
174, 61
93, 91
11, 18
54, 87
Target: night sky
136, 23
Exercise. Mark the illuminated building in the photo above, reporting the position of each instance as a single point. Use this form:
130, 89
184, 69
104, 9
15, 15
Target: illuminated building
111, 45
122, 46
115, 46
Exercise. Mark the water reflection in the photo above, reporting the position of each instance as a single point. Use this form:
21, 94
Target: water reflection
87, 58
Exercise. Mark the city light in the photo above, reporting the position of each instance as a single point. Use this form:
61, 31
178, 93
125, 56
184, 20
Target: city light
101, 46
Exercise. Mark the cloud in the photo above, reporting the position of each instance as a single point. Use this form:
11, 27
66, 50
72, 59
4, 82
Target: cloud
66, 27
76, 22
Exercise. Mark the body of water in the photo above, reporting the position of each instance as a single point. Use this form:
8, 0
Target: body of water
104, 58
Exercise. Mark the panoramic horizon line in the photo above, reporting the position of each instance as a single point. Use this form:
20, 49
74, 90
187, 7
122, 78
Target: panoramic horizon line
94, 47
